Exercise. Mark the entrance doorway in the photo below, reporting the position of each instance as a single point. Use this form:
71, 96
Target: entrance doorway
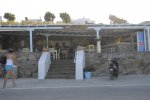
64, 47
61, 49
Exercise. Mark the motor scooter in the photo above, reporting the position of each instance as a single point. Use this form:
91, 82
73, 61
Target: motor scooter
113, 68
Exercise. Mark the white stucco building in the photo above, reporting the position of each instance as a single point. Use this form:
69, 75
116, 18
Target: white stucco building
83, 21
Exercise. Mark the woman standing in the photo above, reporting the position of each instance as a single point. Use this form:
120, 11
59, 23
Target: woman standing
10, 62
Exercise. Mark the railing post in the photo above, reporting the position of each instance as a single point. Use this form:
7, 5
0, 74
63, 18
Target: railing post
43, 65
80, 64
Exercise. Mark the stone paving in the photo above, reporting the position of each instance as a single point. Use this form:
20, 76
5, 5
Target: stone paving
133, 87
96, 81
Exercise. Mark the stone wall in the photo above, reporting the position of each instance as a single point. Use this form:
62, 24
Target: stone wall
129, 63
28, 62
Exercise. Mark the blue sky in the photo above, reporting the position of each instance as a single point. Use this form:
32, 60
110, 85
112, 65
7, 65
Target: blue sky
134, 11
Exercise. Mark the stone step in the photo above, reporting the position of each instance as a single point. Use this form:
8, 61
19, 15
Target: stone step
61, 69
60, 73
62, 61
62, 65
60, 77
55, 67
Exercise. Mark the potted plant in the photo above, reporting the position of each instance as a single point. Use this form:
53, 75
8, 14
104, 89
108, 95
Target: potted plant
87, 71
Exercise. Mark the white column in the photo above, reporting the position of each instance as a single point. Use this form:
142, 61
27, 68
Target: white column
148, 39
145, 42
99, 41
31, 41
47, 40
137, 41
97, 37
47, 35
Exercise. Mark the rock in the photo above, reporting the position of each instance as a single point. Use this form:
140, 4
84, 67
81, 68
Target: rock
129, 63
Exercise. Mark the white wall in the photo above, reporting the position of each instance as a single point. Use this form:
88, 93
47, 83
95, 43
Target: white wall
80, 64
43, 65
